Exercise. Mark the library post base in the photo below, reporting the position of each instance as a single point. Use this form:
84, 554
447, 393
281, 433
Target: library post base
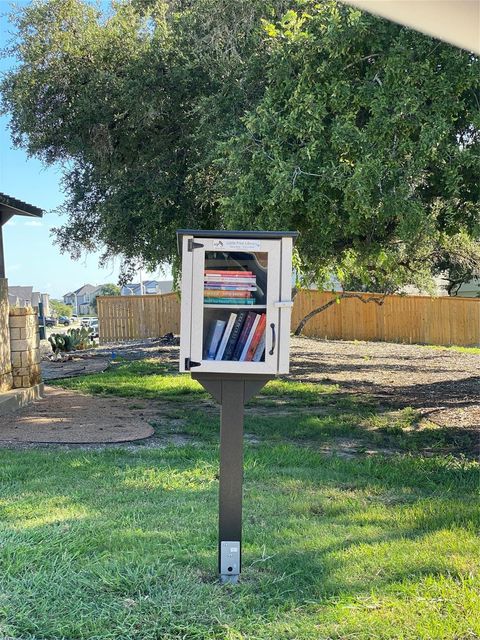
231, 391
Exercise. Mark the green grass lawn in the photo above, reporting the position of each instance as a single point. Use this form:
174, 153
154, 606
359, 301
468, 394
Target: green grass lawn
120, 543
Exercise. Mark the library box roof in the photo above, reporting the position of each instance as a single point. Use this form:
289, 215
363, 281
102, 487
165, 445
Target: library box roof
209, 233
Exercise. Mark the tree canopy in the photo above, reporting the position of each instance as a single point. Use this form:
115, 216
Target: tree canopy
60, 308
359, 133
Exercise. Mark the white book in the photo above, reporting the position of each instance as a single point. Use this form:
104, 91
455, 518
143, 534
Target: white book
225, 337
232, 280
257, 356
243, 355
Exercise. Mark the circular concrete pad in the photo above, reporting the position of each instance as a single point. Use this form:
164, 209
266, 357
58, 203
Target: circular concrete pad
68, 417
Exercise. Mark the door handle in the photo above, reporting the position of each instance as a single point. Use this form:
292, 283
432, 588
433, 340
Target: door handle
282, 304
274, 339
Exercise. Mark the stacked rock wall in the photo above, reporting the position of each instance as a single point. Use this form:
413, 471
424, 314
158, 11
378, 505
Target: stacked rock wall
24, 347
5, 361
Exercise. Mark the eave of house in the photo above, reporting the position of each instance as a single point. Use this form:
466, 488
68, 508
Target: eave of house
13, 207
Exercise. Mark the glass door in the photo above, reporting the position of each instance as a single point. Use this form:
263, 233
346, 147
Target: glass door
235, 285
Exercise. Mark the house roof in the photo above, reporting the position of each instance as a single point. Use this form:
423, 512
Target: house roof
10, 206
86, 288
162, 286
21, 292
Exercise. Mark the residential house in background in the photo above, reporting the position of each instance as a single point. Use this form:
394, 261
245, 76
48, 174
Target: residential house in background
81, 299
147, 287
19, 296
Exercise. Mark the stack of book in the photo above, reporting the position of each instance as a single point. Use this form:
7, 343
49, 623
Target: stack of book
229, 287
241, 337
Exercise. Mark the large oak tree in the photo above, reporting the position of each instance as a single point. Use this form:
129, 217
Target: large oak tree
361, 134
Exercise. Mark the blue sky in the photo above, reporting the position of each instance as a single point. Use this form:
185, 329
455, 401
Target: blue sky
31, 257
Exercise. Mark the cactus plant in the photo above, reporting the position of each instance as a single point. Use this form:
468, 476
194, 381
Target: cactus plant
74, 339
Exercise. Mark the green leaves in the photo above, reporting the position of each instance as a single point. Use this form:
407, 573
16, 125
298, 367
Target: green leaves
362, 135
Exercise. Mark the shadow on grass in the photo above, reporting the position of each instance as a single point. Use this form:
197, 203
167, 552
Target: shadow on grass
397, 431
132, 538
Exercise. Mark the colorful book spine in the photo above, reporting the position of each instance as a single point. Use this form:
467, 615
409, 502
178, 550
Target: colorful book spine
259, 331
248, 341
217, 286
212, 293
231, 274
213, 338
231, 281
242, 301
226, 336
232, 341
250, 319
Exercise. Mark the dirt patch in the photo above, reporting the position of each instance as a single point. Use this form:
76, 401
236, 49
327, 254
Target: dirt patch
72, 368
68, 417
431, 380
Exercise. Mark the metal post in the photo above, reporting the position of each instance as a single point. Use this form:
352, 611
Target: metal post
41, 322
231, 480
231, 391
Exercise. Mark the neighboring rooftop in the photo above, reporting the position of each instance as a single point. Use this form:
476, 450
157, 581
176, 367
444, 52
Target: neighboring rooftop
12, 206
86, 288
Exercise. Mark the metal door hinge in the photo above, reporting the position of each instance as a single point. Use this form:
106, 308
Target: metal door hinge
191, 244
190, 363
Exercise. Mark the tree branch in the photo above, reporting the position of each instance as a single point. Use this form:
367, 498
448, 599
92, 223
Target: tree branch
377, 300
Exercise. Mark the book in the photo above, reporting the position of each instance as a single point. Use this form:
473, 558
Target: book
217, 286
226, 336
227, 272
260, 350
259, 331
249, 320
212, 293
246, 282
229, 301
232, 340
213, 338
251, 333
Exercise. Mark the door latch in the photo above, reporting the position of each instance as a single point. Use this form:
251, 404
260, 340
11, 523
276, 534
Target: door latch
191, 244
191, 363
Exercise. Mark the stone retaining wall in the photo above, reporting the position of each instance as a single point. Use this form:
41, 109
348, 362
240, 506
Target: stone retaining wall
5, 362
24, 347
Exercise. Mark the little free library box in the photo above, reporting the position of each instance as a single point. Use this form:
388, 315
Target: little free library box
234, 337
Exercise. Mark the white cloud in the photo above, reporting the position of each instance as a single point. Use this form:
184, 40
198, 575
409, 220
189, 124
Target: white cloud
14, 267
33, 223
11, 223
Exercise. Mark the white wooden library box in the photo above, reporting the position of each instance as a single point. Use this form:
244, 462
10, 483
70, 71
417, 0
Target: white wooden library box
236, 301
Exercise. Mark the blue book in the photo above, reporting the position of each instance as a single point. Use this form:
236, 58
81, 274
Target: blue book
213, 338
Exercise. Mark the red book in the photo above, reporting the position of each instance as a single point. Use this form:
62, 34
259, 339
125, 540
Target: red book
259, 331
218, 293
227, 273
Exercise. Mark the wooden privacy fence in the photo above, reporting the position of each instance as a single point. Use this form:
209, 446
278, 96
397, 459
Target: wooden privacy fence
135, 317
412, 319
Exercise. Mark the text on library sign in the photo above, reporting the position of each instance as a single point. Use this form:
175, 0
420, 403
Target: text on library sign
237, 245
